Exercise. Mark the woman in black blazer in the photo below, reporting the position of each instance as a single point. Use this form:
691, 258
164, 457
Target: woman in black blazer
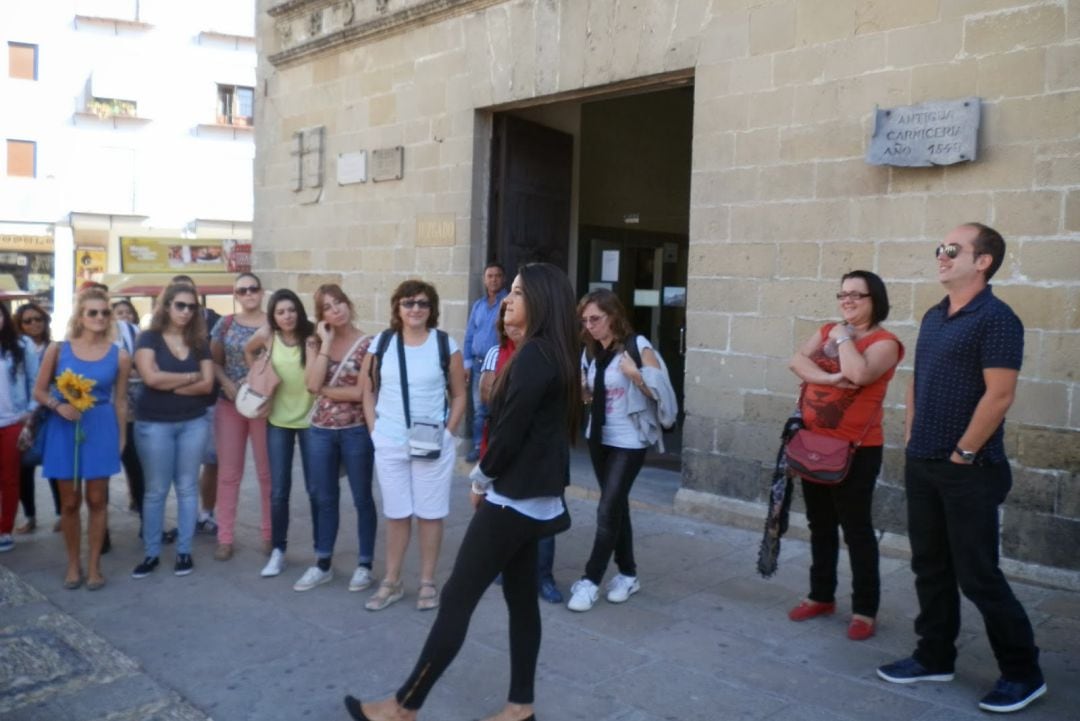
517, 492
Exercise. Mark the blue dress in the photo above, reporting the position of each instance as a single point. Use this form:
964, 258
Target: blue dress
99, 452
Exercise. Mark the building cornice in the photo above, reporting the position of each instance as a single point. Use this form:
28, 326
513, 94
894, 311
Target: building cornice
306, 28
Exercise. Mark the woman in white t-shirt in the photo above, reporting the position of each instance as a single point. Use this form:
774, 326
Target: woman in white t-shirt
411, 484
611, 376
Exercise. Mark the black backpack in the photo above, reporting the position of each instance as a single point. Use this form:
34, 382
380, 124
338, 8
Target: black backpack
384, 342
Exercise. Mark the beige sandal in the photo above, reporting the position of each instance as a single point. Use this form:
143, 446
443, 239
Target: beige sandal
428, 597
389, 593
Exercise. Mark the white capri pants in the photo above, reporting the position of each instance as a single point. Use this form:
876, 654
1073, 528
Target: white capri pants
413, 487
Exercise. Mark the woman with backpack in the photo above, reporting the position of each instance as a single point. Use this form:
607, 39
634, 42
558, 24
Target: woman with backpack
616, 383
32, 322
406, 381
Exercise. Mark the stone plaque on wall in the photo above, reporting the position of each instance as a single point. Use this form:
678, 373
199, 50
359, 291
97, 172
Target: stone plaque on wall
435, 230
938, 133
387, 164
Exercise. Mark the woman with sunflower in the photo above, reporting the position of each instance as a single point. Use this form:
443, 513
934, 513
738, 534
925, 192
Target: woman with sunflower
171, 427
85, 433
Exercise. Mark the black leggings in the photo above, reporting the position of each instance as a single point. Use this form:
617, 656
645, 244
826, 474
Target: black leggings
847, 506
133, 470
616, 469
26, 492
499, 539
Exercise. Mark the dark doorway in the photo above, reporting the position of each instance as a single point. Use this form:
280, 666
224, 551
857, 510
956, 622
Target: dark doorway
532, 169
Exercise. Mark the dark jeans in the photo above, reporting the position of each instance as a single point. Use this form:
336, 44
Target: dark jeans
846, 506
26, 492
280, 443
953, 527
332, 448
133, 469
497, 539
545, 559
616, 469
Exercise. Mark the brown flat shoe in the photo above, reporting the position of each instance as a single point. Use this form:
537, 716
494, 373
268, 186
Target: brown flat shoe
95, 585
223, 552
28, 527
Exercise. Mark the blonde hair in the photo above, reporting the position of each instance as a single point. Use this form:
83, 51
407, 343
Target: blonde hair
75, 327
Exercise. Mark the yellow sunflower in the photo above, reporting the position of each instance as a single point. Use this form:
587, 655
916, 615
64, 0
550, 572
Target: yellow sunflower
76, 389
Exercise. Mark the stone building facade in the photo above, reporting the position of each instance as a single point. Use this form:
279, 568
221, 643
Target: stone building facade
746, 122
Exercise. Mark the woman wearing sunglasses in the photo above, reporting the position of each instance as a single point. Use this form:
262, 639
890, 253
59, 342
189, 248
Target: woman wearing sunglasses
32, 322
846, 368
173, 359
287, 337
232, 430
94, 438
413, 484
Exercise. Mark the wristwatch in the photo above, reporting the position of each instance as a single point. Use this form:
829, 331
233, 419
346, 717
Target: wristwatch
966, 456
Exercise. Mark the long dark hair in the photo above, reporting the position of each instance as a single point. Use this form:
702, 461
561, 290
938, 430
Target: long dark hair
9, 338
304, 326
195, 331
47, 319
552, 325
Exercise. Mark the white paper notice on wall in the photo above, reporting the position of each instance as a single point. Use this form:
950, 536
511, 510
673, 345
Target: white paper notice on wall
352, 168
646, 298
609, 266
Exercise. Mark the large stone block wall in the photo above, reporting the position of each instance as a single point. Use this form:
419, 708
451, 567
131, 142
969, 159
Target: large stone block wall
781, 200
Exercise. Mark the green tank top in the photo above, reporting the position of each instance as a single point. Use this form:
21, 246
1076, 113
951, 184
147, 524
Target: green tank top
292, 401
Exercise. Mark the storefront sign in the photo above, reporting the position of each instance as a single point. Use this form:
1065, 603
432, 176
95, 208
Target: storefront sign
941, 133
27, 243
175, 255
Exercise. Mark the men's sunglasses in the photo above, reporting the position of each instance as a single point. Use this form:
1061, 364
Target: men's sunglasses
421, 304
95, 312
951, 251
248, 290
182, 306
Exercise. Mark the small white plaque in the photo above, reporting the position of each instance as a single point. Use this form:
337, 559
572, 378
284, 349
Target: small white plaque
352, 168
609, 266
646, 298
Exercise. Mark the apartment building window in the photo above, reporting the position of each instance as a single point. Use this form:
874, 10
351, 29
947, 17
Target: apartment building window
22, 61
21, 159
236, 105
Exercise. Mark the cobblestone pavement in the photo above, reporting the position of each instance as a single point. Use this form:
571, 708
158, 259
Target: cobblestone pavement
705, 639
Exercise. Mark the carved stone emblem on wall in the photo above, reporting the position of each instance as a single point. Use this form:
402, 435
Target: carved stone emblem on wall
315, 24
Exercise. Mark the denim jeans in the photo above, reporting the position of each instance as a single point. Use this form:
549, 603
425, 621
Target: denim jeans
330, 449
480, 411
953, 528
170, 453
280, 443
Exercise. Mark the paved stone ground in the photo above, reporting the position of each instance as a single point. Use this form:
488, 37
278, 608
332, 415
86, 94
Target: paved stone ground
705, 639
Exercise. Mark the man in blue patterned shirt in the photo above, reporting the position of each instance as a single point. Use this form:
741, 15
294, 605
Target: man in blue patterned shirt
480, 335
967, 360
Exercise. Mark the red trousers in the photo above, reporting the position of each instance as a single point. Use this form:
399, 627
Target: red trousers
9, 476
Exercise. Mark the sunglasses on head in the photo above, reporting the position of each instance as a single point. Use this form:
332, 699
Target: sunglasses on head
421, 304
182, 306
95, 312
248, 290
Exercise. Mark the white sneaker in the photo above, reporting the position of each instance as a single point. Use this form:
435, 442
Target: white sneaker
583, 595
361, 579
313, 577
621, 588
275, 565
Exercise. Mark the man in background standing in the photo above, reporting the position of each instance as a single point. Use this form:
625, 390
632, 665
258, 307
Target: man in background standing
956, 474
480, 335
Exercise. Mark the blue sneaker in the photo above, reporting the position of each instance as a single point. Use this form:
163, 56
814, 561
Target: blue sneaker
6, 542
1009, 696
909, 670
550, 592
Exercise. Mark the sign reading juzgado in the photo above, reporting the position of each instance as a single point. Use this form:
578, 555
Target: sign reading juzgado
938, 133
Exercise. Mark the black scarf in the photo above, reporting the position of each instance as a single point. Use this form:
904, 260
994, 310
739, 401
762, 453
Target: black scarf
603, 358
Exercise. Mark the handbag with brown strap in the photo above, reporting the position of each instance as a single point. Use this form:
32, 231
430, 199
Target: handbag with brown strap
819, 458
253, 398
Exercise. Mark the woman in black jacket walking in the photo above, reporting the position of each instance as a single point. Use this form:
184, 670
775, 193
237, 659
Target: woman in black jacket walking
517, 492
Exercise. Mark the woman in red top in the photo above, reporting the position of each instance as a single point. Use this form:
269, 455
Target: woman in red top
846, 368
